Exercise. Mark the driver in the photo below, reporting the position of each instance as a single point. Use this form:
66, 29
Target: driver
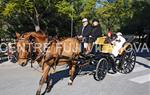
84, 34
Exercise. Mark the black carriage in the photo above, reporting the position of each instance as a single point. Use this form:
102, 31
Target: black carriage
104, 61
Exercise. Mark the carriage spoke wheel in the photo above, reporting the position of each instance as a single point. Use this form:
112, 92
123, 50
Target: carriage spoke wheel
128, 62
101, 69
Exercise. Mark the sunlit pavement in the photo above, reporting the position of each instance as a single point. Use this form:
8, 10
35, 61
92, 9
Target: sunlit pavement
17, 80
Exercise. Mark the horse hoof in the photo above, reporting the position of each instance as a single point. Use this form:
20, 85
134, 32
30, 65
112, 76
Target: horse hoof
48, 89
69, 84
38, 93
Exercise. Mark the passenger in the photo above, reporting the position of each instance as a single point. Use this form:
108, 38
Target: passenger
96, 30
109, 38
118, 43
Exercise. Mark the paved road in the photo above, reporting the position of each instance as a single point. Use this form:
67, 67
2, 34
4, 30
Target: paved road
16, 80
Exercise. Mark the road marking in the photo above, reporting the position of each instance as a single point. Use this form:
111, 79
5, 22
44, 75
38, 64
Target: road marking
139, 69
136, 69
141, 79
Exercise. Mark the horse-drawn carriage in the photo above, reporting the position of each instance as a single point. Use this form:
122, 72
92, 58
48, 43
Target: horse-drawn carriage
57, 53
103, 60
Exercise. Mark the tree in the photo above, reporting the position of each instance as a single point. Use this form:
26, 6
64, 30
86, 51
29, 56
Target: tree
76, 10
55, 16
114, 15
23, 15
28, 8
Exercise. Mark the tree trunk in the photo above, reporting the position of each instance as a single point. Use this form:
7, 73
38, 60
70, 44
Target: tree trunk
37, 28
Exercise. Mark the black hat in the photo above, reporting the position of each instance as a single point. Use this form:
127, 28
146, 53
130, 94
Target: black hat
95, 20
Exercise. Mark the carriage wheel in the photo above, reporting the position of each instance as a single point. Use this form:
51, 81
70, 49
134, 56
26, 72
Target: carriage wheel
101, 69
128, 62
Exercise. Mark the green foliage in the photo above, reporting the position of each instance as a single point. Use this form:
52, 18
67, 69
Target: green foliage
114, 15
56, 15
140, 18
66, 8
78, 8
88, 9
13, 6
9, 9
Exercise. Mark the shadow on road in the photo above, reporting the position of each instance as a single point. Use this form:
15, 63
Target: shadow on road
56, 77
145, 65
145, 55
60, 75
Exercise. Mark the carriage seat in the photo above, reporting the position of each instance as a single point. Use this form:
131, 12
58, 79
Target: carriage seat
104, 47
107, 48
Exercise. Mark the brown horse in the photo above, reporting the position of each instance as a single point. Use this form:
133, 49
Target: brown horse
58, 53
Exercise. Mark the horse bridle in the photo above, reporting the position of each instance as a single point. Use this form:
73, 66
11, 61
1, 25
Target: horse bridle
26, 48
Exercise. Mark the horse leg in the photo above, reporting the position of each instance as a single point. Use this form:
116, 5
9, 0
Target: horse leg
43, 79
49, 85
49, 81
71, 73
31, 63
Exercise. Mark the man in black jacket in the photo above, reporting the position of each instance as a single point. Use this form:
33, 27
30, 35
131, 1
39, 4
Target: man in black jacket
84, 34
96, 30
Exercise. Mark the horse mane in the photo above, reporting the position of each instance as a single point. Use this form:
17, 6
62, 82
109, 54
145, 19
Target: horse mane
33, 35
55, 39
64, 38
38, 34
25, 34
